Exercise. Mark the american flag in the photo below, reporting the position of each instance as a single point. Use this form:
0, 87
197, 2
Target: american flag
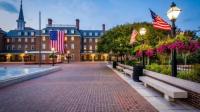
133, 37
158, 22
57, 41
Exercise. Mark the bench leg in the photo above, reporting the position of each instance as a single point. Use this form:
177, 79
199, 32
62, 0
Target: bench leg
168, 98
145, 85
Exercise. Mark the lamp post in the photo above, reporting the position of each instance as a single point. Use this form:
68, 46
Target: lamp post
173, 14
53, 53
68, 56
142, 33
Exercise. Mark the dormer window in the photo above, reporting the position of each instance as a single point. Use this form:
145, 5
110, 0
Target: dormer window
72, 31
32, 33
90, 34
84, 34
19, 33
43, 31
26, 33
96, 33
65, 31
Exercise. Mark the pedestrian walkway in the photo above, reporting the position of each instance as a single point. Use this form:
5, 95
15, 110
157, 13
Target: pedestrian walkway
79, 87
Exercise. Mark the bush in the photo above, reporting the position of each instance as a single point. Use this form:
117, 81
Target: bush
154, 67
165, 70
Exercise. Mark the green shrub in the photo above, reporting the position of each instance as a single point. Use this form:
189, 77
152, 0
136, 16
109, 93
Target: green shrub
165, 70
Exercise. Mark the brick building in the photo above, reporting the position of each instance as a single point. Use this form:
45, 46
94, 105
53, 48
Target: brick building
23, 44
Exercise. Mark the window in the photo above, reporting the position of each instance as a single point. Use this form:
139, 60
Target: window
43, 31
96, 40
85, 47
26, 46
96, 33
65, 45
90, 40
26, 40
90, 47
8, 40
13, 39
90, 34
72, 38
13, 47
26, 33
72, 46
32, 33
19, 33
32, 40
8, 47
32, 47
72, 31
43, 38
43, 57
84, 34
19, 46
96, 47
85, 40
43, 46
65, 31
19, 39
72, 57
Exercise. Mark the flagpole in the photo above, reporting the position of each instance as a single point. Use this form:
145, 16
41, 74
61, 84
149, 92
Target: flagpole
39, 38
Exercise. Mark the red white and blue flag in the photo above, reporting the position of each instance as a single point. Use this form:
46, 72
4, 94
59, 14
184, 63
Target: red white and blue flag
158, 22
57, 40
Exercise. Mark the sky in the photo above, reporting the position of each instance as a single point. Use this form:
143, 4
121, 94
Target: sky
94, 13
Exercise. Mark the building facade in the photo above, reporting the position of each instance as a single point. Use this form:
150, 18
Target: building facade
26, 44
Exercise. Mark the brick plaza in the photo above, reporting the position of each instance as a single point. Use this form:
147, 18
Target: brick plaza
79, 87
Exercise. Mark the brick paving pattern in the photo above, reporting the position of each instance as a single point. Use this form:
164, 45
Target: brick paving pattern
79, 87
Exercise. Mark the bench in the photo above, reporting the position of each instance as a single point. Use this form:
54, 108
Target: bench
128, 72
119, 68
170, 92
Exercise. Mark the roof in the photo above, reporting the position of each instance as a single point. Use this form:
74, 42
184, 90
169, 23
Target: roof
1, 31
27, 32
91, 33
69, 30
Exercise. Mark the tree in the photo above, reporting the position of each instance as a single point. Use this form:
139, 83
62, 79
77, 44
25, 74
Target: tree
117, 39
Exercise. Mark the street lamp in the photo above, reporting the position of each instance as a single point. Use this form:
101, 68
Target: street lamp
142, 33
68, 56
53, 53
173, 14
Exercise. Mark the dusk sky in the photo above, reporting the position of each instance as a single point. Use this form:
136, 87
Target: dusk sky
93, 13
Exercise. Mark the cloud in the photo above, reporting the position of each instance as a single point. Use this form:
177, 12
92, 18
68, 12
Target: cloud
8, 7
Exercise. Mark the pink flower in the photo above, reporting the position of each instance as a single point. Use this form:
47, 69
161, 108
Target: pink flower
139, 54
149, 52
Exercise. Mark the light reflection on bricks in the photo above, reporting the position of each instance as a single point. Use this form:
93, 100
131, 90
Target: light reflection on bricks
79, 87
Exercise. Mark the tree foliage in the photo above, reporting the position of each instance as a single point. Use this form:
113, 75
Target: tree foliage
117, 39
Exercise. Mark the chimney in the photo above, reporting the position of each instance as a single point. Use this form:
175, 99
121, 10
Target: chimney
103, 27
50, 22
78, 23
